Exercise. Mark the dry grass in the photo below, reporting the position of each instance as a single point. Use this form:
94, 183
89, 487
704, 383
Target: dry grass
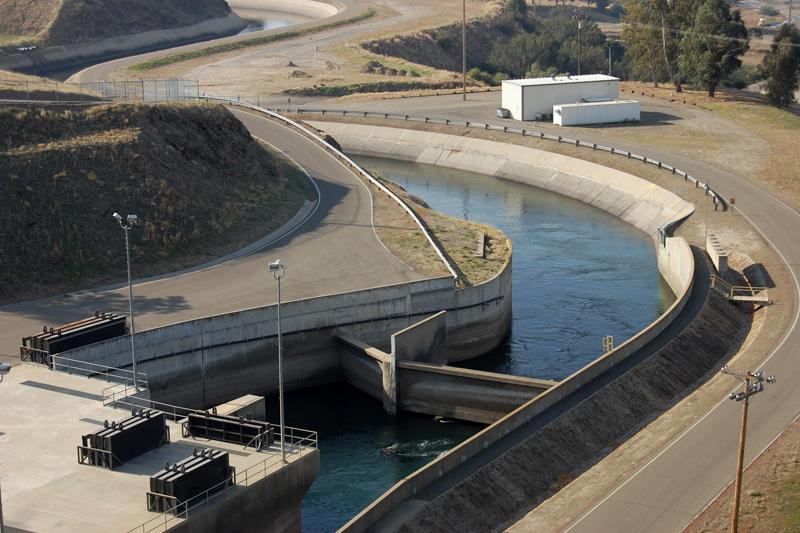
457, 238
16, 86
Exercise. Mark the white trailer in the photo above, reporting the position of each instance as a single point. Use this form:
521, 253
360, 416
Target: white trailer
525, 99
580, 113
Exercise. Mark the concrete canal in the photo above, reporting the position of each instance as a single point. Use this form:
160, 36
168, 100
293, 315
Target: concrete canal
579, 274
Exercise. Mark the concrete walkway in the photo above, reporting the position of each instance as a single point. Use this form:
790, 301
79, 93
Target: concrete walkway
335, 250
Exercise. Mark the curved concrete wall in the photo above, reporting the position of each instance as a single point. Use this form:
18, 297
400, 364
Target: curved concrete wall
210, 360
634, 200
305, 8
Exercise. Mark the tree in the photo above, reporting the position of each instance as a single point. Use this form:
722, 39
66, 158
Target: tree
711, 49
643, 38
780, 67
518, 7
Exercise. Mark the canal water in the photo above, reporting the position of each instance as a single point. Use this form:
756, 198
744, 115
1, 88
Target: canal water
579, 274
260, 20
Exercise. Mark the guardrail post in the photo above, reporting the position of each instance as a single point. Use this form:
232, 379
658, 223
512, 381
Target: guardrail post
365, 114
629, 155
426, 120
541, 135
406, 117
644, 159
467, 123
659, 164
594, 146
447, 122
559, 138
612, 149
577, 142
386, 115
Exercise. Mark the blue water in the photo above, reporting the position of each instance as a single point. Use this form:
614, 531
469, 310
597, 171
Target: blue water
579, 274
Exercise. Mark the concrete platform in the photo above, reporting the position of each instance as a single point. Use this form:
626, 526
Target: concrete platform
44, 414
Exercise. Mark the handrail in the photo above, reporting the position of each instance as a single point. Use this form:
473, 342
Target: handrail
718, 200
244, 478
60, 363
341, 156
733, 290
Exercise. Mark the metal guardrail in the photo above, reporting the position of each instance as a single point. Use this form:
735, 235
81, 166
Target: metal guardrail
297, 440
349, 162
59, 363
738, 292
719, 202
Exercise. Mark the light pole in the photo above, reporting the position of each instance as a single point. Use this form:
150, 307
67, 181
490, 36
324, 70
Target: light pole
464, 50
752, 383
5, 368
277, 272
129, 222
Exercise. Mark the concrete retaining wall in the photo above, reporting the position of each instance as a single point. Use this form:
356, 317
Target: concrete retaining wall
632, 199
270, 505
58, 57
210, 360
462, 393
425, 476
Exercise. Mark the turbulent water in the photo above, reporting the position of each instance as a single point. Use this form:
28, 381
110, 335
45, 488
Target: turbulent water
579, 274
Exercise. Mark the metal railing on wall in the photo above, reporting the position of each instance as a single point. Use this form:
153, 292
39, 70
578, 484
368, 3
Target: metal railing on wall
338, 154
719, 202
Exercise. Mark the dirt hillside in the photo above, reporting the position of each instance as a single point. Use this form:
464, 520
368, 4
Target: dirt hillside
199, 183
58, 22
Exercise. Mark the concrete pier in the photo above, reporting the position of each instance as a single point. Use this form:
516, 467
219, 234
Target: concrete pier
44, 415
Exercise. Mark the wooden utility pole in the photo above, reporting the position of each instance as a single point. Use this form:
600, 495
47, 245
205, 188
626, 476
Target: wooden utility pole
737, 488
753, 383
580, 46
464, 49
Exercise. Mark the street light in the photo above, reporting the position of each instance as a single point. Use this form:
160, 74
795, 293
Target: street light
129, 222
5, 368
277, 272
752, 383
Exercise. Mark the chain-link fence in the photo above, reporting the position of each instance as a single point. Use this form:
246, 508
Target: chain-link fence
119, 90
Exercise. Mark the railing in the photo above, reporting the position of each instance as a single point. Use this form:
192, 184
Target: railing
93, 370
298, 441
350, 163
737, 292
719, 202
58, 363
89, 93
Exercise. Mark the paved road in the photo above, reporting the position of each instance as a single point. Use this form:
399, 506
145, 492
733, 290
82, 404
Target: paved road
245, 8
335, 250
666, 493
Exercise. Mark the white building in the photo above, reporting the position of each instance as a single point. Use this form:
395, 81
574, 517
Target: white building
525, 99
596, 112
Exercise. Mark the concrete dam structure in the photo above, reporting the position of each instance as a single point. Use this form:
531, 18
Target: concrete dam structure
514, 452
395, 342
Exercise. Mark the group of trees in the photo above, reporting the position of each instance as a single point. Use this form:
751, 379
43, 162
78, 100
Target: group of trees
695, 41
701, 41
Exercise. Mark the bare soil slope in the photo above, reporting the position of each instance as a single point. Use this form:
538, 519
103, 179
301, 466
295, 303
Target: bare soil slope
59, 22
199, 183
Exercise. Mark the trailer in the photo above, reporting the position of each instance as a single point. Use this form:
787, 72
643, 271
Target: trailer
581, 113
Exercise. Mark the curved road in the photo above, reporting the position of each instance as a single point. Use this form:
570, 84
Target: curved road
335, 250
668, 491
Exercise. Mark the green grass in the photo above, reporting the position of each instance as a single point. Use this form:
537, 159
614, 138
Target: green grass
171, 59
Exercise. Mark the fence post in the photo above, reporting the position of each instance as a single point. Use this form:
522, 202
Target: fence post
57, 100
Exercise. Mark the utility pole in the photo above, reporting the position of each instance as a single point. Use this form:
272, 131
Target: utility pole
609, 59
790, 11
753, 383
464, 49
580, 45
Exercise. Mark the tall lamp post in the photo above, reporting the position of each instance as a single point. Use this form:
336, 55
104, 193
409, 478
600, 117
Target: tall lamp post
277, 272
129, 222
5, 368
752, 383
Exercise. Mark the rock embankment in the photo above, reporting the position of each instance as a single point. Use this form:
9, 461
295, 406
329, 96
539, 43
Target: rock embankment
201, 186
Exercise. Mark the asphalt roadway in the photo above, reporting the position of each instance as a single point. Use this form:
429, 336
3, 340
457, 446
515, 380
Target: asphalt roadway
675, 485
335, 250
